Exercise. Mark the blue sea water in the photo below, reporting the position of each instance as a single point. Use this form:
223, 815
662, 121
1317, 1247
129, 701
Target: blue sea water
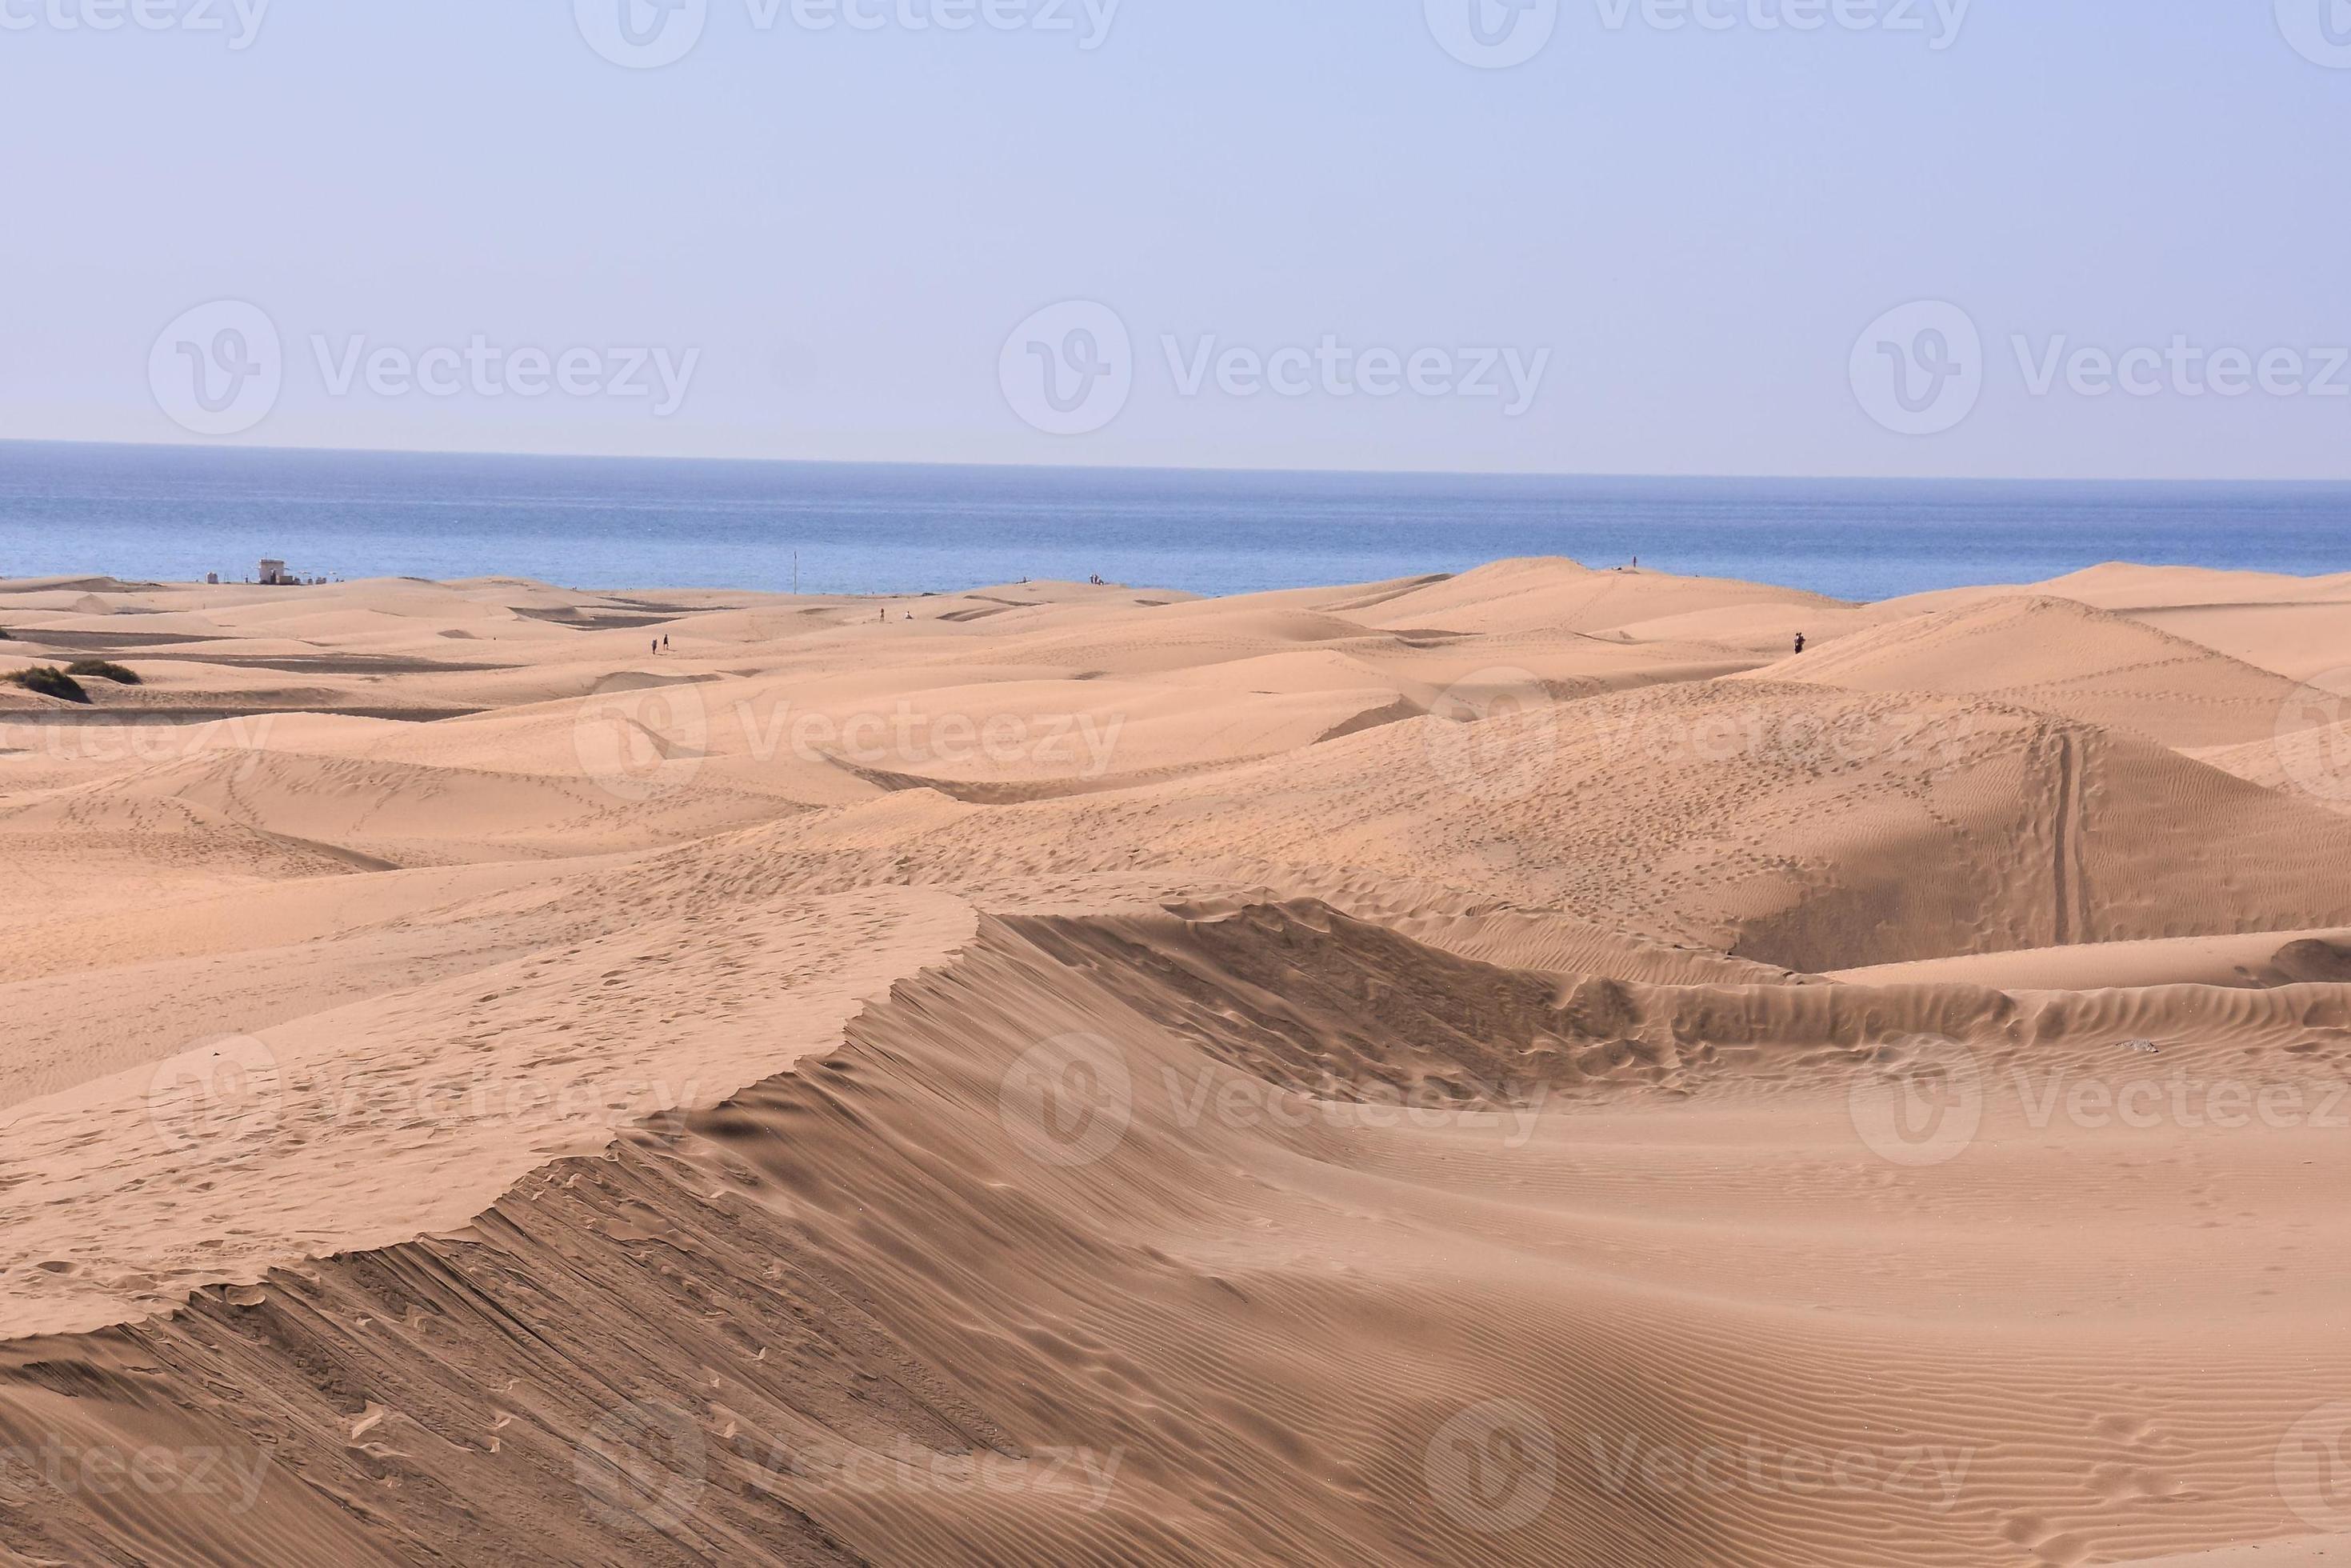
176, 513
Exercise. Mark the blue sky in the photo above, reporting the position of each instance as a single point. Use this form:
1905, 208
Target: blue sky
1663, 248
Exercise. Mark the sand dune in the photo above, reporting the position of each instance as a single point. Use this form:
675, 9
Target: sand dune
2277, 1555
1562, 596
2130, 587
2311, 764
2294, 626
2255, 958
1792, 826
1502, 1069
2061, 657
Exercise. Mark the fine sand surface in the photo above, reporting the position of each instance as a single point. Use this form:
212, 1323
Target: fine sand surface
1514, 1068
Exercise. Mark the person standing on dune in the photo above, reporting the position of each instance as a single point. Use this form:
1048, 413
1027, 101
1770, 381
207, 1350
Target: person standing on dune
1799, 641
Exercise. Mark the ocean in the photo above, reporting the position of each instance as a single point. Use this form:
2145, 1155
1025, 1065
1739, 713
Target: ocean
176, 513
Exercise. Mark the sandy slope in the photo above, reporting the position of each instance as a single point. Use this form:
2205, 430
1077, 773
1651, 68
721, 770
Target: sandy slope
2059, 656
1506, 1069
2253, 958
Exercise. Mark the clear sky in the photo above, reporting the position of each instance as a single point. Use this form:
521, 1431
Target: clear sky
1667, 249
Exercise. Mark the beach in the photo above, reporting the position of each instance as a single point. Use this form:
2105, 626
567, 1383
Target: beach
1516, 1066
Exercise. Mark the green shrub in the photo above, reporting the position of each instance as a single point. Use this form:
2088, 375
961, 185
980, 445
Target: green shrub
49, 682
105, 670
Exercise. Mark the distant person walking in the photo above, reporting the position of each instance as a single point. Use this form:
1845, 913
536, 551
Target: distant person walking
1799, 641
